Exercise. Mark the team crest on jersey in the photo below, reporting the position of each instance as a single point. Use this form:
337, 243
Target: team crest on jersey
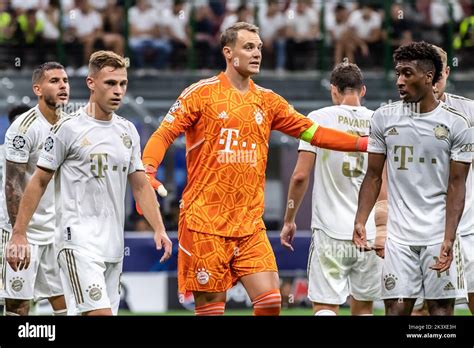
258, 116
17, 283
202, 276
175, 106
95, 292
48, 144
127, 140
390, 281
441, 132
19, 142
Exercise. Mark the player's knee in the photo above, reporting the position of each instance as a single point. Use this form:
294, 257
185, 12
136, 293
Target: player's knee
17, 307
267, 303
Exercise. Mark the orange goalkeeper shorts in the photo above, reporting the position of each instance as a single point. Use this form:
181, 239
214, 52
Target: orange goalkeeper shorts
211, 263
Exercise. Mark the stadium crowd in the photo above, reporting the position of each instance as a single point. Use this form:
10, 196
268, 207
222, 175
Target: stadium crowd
178, 34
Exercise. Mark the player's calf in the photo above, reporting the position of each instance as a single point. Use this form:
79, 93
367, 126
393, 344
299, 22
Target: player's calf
441, 306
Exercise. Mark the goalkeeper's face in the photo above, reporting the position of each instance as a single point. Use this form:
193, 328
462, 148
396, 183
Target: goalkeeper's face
246, 55
108, 87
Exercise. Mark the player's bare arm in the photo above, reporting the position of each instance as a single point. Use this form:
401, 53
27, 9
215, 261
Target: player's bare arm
454, 209
368, 194
18, 253
14, 186
296, 191
146, 199
381, 217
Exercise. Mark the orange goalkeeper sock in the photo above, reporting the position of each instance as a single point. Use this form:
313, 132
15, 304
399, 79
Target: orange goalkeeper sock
268, 303
214, 308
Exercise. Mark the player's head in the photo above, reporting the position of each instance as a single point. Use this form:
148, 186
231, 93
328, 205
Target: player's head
440, 86
51, 85
241, 47
418, 67
107, 80
16, 111
346, 78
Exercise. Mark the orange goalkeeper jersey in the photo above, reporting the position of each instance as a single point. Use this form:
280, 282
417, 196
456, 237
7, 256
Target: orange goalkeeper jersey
227, 136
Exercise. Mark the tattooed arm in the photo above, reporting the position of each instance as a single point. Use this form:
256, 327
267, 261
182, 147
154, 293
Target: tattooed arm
15, 183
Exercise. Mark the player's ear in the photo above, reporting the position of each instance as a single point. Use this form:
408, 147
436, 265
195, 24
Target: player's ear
90, 82
362, 91
227, 52
429, 77
37, 89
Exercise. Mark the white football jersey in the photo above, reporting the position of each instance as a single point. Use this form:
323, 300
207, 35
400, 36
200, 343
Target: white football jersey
465, 106
419, 148
23, 144
92, 160
338, 175
3, 218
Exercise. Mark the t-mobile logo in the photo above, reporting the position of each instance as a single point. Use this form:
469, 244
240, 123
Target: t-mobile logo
229, 138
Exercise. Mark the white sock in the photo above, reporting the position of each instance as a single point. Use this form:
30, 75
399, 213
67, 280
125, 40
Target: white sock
322, 312
61, 312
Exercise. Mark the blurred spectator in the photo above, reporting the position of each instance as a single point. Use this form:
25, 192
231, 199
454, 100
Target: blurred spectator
206, 43
87, 26
464, 42
366, 31
51, 32
272, 32
147, 37
177, 21
338, 32
7, 24
113, 17
302, 33
400, 28
30, 34
242, 14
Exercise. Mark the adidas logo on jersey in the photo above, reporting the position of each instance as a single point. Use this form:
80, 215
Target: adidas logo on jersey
392, 131
85, 142
449, 286
223, 115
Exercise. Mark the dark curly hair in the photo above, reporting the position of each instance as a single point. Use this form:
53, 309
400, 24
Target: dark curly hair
425, 56
347, 76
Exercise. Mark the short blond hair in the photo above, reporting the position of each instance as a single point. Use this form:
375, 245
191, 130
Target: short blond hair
229, 36
101, 59
442, 53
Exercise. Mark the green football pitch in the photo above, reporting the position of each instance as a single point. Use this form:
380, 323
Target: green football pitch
292, 311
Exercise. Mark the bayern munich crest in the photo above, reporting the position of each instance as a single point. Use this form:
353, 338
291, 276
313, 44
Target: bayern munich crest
202, 276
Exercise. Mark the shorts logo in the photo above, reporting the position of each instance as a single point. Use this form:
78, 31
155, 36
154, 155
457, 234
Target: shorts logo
17, 283
441, 132
19, 142
202, 276
449, 286
127, 140
95, 292
48, 144
390, 281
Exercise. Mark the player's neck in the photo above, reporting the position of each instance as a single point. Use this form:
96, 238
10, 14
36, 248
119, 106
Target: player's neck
94, 110
442, 97
50, 114
351, 100
239, 82
428, 104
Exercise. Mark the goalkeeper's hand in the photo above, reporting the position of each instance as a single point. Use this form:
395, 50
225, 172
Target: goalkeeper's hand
150, 173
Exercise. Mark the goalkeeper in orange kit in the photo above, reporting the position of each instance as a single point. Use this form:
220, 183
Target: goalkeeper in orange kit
227, 120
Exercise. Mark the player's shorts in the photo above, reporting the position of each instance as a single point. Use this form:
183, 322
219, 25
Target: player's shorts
406, 273
467, 247
211, 263
336, 269
90, 284
39, 281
